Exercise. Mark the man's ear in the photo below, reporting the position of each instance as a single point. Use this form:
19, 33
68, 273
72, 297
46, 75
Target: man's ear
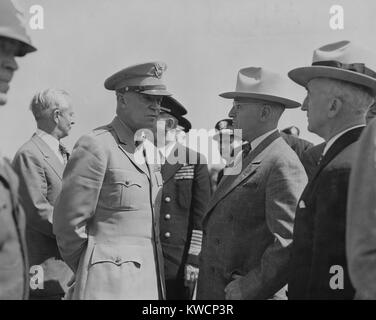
121, 98
335, 107
56, 115
265, 112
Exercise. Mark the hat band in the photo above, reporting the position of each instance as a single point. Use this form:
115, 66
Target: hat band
140, 88
355, 67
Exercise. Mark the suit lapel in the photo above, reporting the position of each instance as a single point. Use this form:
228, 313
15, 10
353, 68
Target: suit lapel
126, 144
48, 155
168, 168
249, 166
340, 144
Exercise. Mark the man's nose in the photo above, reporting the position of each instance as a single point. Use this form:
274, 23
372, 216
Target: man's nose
305, 105
10, 63
231, 114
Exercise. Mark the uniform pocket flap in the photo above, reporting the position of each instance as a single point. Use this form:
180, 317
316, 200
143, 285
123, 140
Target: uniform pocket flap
115, 254
125, 177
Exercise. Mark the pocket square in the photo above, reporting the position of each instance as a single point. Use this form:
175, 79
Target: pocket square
302, 204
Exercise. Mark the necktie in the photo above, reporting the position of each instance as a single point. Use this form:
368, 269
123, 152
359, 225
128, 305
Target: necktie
64, 153
246, 148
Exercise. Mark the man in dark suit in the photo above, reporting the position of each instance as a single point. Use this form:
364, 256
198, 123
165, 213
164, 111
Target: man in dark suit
14, 270
249, 222
39, 164
311, 158
185, 194
338, 98
228, 143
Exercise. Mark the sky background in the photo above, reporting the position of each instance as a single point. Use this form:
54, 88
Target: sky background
203, 42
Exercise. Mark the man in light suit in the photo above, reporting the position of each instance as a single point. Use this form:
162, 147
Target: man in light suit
39, 164
185, 194
340, 90
249, 223
361, 217
14, 268
106, 219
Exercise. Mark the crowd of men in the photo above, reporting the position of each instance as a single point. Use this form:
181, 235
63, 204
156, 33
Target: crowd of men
283, 219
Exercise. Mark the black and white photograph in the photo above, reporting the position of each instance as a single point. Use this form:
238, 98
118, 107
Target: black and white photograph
187, 154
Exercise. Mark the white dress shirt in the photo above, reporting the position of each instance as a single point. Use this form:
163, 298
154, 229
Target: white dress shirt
52, 142
333, 139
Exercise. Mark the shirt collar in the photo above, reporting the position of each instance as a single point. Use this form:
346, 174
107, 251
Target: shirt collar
258, 140
165, 151
333, 139
51, 141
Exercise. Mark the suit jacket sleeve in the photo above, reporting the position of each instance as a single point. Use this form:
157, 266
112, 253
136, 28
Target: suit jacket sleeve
361, 218
284, 186
200, 199
33, 192
82, 183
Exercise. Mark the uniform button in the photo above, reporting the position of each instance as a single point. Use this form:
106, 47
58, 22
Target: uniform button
167, 199
118, 260
167, 234
217, 241
167, 216
127, 182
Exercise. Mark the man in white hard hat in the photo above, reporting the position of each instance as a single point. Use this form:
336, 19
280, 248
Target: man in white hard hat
14, 42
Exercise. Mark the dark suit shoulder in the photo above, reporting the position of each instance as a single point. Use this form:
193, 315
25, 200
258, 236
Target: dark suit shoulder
344, 159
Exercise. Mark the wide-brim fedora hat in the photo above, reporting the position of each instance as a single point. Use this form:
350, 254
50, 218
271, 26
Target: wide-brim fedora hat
145, 78
343, 60
262, 84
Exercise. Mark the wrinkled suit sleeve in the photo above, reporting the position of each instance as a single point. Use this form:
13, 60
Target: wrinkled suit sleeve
82, 182
361, 217
33, 192
284, 187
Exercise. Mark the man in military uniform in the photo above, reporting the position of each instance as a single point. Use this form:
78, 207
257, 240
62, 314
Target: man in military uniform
106, 220
228, 143
14, 41
186, 191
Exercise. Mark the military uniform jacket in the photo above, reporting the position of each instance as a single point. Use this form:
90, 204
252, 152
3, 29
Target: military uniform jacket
320, 227
40, 173
249, 223
106, 218
14, 270
186, 191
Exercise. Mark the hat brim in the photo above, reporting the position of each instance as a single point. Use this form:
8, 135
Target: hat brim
259, 96
177, 109
156, 92
304, 75
185, 124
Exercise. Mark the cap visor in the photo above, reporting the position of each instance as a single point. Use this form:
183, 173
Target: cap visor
156, 92
304, 75
266, 97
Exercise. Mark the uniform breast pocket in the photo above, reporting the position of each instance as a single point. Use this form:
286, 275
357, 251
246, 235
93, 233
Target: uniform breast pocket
122, 190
